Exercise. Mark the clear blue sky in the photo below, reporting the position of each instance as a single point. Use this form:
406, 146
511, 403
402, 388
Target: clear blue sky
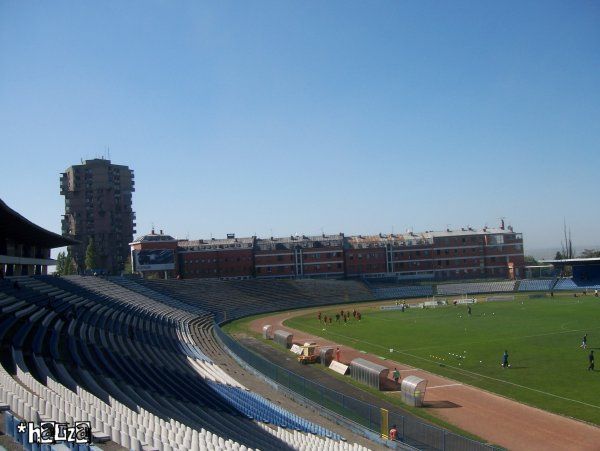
291, 117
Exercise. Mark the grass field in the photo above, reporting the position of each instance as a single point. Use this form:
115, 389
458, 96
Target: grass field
542, 336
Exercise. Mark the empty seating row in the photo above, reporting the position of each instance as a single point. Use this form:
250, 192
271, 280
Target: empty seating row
476, 287
90, 339
401, 291
110, 363
536, 284
304, 442
568, 283
36, 402
255, 406
234, 299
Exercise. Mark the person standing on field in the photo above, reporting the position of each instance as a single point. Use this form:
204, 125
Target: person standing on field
505, 360
584, 342
591, 359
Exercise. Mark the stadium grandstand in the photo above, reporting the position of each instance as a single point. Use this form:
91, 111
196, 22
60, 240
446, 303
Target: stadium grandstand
585, 274
133, 362
235, 299
24, 246
390, 290
136, 367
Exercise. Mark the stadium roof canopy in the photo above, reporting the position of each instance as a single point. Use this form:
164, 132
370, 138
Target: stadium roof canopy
19, 229
574, 261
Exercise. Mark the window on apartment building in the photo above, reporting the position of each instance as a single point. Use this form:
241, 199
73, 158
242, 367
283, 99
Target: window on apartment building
268, 269
447, 262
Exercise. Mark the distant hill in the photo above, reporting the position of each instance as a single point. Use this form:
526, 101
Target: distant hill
544, 253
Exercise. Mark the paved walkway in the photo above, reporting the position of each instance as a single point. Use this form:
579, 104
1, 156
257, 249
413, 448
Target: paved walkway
497, 419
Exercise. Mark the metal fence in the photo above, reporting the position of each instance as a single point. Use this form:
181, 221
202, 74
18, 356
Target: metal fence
411, 431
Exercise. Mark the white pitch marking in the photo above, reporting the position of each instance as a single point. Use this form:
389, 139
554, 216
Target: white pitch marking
441, 386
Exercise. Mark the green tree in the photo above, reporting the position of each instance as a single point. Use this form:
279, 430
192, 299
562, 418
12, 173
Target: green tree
60, 263
531, 260
128, 269
91, 260
558, 256
590, 253
64, 264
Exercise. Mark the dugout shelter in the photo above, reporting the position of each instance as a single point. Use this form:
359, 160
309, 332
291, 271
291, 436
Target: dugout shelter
369, 373
413, 390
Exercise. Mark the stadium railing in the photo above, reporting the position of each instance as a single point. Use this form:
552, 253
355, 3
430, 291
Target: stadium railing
413, 432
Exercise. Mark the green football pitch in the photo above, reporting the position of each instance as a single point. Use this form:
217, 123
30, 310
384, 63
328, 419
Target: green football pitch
542, 336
